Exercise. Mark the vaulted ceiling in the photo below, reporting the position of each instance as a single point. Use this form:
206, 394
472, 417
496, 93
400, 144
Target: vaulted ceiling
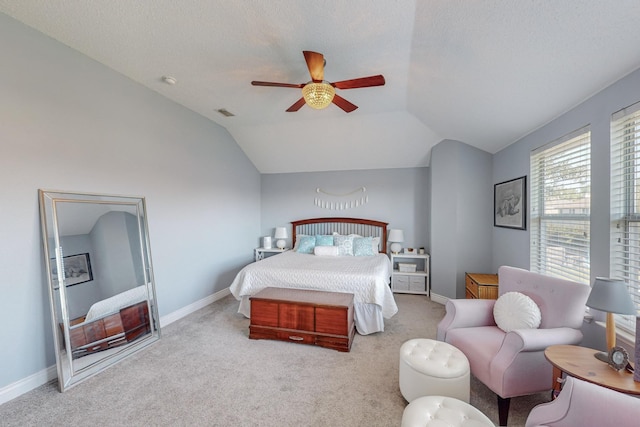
484, 72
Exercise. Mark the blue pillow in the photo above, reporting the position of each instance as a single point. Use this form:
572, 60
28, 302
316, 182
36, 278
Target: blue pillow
363, 246
324, 240
306, 244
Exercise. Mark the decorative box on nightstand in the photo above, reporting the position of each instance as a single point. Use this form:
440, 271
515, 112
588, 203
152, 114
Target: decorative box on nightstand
262, 253
406, 279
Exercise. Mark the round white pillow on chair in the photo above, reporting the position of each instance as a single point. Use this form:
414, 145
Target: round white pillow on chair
514, 310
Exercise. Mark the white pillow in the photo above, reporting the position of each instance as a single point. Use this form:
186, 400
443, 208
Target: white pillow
326, 250
514, 310
376, 245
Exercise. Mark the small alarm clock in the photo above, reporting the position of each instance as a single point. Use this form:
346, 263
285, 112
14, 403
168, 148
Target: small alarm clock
618, 358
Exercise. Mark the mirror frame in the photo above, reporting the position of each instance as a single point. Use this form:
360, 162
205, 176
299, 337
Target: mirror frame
68, 374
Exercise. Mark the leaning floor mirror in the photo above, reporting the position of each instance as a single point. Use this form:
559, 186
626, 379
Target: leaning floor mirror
100, 280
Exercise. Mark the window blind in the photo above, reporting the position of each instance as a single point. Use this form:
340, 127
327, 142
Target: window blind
625, 204
561, 207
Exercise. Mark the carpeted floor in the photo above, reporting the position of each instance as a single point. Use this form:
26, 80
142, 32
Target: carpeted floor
205, 371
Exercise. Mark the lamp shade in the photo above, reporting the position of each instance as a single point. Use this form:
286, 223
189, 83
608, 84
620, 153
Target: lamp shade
611, 296
318, 95
281, 233
396, 235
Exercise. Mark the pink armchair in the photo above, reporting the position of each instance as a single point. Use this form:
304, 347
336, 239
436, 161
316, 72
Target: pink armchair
584, 404
513, 364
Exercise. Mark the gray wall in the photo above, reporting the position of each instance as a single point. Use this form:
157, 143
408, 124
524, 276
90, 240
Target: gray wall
113, 260
113, 247
80, 296
511, 247
397, 196
69, 123
461, 220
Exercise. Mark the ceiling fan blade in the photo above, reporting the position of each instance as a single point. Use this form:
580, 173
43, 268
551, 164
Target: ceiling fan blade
361, 82
343, 103
315, 64
293, 85
295, 107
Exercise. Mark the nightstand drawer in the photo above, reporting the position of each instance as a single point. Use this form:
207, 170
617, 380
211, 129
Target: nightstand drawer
416, 283
400, 282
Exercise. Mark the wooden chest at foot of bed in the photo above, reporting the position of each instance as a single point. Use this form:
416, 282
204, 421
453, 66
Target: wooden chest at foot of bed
301, 316
110, 331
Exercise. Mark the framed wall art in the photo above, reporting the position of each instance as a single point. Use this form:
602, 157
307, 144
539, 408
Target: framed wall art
510, 204
77, 269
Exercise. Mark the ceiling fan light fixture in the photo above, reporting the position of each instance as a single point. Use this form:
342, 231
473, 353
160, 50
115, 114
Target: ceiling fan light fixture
318, 95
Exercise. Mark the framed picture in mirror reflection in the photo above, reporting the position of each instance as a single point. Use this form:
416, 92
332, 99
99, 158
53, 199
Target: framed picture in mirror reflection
77, 269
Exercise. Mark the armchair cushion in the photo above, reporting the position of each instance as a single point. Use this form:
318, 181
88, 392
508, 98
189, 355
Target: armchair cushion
465, 313
515, 310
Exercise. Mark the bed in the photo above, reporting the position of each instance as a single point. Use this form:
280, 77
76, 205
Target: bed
365, 275
111, 322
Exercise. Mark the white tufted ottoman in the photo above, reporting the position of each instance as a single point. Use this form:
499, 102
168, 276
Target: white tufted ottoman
429, 367
442, 411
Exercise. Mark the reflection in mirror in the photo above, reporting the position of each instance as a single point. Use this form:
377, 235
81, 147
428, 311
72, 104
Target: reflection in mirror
100, 280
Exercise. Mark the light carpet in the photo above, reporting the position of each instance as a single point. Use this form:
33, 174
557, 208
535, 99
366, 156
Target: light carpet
205, 371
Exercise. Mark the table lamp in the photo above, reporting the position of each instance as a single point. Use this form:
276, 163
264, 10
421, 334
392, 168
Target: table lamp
610, 296
396, 237
280, 234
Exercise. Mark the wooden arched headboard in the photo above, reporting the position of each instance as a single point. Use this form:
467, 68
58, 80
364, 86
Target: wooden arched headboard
363, 227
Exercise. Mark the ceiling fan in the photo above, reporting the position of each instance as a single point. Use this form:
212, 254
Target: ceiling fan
319, 93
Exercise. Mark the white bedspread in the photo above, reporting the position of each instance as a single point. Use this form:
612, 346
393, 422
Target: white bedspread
117, 302
367, 277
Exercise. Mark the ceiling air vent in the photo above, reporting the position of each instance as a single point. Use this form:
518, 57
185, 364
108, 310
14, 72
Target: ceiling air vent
225, 113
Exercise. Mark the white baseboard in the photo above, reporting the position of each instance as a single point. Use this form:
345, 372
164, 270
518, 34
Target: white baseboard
439, 299
187, 310
27, 384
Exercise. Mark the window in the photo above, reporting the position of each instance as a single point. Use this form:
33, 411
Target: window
561, 207
625, 203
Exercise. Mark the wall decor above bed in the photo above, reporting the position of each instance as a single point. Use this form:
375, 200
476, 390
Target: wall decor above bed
339, 202
111, 310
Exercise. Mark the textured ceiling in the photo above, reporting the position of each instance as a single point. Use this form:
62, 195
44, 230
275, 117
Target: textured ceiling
484, 72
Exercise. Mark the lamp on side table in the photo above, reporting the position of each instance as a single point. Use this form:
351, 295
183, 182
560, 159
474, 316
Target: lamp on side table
396, 237
610, 296
280, 235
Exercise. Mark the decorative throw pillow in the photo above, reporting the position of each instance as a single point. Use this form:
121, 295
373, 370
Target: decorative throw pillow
324, 240
297, 243
375, 244
514, 310
363, 246
306, 244
326, 250
344, 244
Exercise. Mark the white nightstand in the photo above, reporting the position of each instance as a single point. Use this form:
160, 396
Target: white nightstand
408, 282
262, 253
